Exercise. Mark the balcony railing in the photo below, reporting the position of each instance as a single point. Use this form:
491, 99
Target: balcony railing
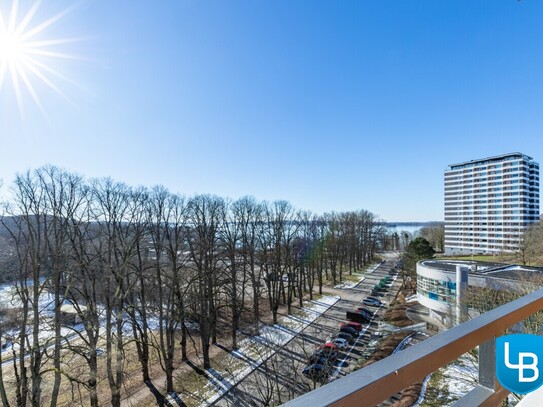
378, 382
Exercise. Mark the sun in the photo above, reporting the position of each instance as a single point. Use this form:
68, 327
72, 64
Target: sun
26, 54
11, 49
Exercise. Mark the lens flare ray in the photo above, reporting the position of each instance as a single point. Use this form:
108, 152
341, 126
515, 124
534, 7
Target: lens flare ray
27, 57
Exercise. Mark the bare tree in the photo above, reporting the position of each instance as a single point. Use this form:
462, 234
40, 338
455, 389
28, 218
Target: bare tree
233, 230
435, 234
204, 217
334, 245
273, 237
530, 247
175, 244
120, 217
29, 216
249, 215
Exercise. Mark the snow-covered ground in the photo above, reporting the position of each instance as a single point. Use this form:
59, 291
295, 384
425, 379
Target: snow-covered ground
351, 284
9, 298
457, 379
256, 350
348, 284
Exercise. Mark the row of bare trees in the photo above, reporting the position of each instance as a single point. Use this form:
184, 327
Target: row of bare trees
101, 269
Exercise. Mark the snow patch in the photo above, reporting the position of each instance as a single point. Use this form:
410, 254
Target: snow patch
254, 351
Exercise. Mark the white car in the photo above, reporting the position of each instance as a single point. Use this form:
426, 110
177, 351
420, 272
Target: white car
339, 342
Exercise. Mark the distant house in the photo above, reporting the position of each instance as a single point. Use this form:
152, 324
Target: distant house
70, 314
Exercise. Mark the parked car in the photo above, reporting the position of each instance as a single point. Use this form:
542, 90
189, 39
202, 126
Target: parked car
352, 324
328, 348
327, 351
321, 359
329, 345
386, 282
315, 372
348, 337
370, 302
357, 317
339, 342
348, 329
365, 311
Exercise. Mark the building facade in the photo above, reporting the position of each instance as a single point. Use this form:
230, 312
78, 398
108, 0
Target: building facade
441, 284
489, 203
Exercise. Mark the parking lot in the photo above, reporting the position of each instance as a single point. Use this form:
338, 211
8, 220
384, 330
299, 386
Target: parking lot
327, 326
286, 371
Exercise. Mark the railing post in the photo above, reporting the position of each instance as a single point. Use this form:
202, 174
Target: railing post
487, 364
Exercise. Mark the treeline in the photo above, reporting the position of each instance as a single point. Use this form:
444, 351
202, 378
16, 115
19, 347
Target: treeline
137, 266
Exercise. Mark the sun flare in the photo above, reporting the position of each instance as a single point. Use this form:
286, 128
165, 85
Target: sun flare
26, 55
11, 49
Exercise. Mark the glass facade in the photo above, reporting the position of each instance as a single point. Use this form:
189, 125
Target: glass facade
438, 290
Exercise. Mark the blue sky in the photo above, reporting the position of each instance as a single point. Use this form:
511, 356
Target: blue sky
330, 105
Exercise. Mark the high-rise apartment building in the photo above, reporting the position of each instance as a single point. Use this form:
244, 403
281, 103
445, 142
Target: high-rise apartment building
489, 203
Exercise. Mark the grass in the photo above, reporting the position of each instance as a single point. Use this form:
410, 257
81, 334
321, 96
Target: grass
74, 365
437, 392
193, 388
354, 277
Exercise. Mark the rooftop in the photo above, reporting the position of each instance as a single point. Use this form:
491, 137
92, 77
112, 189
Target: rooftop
488, 160
496, 270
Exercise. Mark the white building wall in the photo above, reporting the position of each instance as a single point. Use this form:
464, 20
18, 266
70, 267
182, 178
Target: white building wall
489, 202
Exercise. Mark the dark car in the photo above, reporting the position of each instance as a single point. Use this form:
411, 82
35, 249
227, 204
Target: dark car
367, 311
349, 330
364, 311
357, 317
355, 325
344, 335
324, 354
331, 355
320, 359
315, 372
328, 350
372, 303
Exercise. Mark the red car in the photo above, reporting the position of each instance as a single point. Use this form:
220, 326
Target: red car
329, 349
352, 324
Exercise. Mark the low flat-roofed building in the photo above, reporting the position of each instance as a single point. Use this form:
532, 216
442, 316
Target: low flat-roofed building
439, 285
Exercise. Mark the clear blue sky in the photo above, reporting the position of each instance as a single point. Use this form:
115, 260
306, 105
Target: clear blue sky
330, 105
